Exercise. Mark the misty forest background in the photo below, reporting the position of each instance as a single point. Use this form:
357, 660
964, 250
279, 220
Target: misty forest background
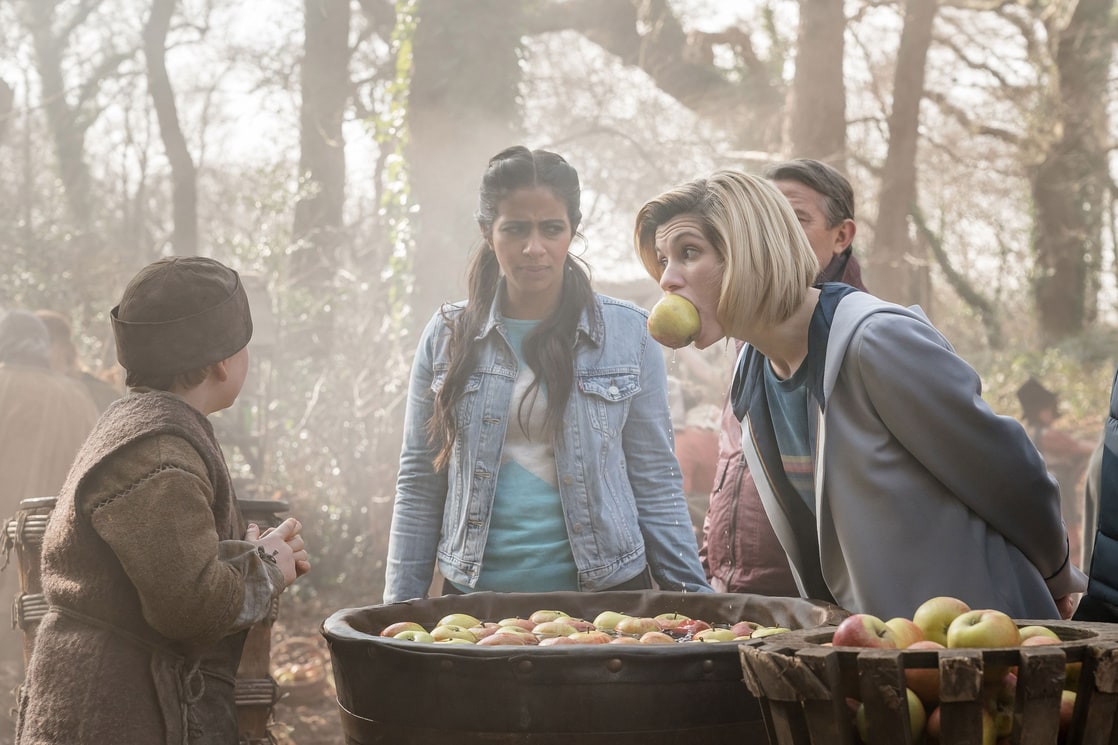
331, 151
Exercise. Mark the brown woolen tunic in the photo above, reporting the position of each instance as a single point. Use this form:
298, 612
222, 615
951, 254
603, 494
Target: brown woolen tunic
142, 556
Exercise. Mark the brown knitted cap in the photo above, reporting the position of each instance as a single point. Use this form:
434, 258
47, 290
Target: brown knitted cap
179, 314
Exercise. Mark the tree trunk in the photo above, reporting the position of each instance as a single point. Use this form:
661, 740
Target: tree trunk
62, 119
184, 240
462, 110
1070, 183
7, 102
900, 265
319, 222
817, 119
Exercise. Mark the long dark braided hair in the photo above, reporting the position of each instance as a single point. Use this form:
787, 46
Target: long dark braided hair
549, 349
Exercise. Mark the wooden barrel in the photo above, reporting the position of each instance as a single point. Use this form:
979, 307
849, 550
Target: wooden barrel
256, 691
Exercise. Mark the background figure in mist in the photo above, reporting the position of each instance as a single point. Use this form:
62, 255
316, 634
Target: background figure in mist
885, 475
537, 451
740, 550
1100, 603
44, 418
64, 359
1065, 455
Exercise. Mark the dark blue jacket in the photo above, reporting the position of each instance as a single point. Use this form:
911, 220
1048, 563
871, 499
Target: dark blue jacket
1101, 601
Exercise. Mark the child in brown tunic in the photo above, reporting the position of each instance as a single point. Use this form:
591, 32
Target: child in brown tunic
151, 576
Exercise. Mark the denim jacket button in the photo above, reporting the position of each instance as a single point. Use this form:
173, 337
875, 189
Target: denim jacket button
613, 390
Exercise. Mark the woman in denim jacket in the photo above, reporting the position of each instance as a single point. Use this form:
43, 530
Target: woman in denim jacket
537, 451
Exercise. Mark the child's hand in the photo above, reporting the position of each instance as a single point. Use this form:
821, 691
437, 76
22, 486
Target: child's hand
285, 545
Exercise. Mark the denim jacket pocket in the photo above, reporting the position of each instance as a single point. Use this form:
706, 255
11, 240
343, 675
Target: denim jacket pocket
607, 397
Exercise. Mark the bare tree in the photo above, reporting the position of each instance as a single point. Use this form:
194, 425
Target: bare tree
1070, 180
817, 116
900, 272
184, 240
462, 109
325, 86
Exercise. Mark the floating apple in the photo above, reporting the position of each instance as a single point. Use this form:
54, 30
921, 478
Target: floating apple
636, 625
690, 627
592, 636
624, 640
395, 628
607, 619
465, 620
523, 623
744, 628
446, 631
713, 635
543, 616
863, 630
763, 631
668, 621
502, 639
411, 635
674, 321
657, 637
553, 628
552, 641
936, 614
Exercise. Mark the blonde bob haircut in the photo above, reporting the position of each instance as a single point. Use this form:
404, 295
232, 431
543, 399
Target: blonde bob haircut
767, 263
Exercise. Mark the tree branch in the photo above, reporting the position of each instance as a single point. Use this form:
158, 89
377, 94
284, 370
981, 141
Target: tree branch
961, 116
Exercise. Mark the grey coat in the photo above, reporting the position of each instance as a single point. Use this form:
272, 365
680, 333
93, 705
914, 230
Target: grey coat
920, 488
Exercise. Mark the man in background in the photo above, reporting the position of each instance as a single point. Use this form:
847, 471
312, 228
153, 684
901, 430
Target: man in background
64, 359
740, 551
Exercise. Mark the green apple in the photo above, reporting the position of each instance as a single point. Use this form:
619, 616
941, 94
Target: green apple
1067, 712
636, 625
714, 635
411, 635
395, 628
453, 640
674, 321
1028, 632
624, 640
936, 614
989, 728
762, 631
542, 616
592, 636
917, 718
983, 628
451, 631
553, 628
607, 619
551, 641
465, 620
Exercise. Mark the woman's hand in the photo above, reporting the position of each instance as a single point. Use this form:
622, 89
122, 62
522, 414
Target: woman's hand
284, 543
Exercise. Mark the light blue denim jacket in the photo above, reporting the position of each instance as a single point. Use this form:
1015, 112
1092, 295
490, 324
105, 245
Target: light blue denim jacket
619, 480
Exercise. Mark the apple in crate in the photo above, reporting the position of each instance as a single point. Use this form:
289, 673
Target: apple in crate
936, 614
924, 681
917, 718
465, 620
983, 628
905, 632
863, 630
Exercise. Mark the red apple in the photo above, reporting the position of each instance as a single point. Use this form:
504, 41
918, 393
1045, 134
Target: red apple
486, 629
656, 637
591, 637
669, 621
1067, 711
624, 640
905, 632
395, 628
744, 628
551, 641
936, 614
934, 728
578, 624
983, 628
924, 681
523, 623
863, 630
690, 627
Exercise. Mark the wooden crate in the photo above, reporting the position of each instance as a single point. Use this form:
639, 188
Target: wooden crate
804, 688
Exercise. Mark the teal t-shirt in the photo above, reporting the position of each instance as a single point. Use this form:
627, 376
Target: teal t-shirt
527, 549
788, 402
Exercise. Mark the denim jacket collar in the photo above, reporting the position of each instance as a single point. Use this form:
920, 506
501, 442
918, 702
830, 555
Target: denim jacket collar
590, 324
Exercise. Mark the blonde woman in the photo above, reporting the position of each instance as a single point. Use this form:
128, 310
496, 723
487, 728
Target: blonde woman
886, 477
